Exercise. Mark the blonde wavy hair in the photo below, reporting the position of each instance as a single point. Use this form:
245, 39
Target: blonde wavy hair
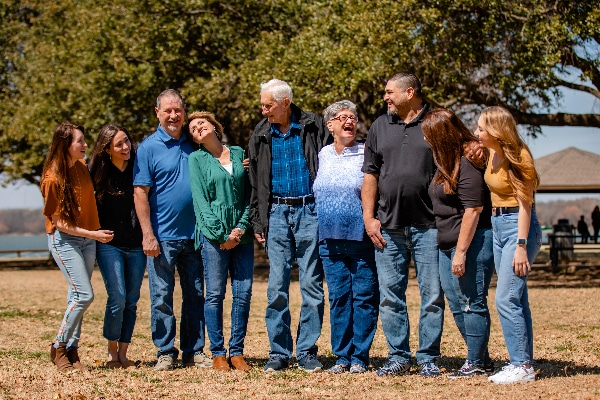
500, 124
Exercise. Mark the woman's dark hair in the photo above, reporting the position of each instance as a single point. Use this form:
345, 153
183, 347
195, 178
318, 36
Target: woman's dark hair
448, 138
100, 160
57, 161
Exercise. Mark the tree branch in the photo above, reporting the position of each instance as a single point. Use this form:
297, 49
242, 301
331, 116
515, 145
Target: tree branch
581, 88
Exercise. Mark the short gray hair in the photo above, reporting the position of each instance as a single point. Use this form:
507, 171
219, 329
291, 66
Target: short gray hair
404, 80
278, 88
338, 106
169, 93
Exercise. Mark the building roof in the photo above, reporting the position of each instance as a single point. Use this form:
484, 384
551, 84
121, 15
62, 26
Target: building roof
569, 171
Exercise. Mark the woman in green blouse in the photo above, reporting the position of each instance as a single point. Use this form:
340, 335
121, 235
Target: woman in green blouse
221, 192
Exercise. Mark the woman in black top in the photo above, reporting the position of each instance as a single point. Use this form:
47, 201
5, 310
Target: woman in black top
122, 263
462, 208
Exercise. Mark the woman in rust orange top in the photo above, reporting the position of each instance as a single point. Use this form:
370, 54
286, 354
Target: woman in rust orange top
72, 226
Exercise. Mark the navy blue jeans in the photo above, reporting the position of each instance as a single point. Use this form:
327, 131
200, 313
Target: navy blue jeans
293, 234
122, 271
467, 295
392, 271
239, 264
182, 255
351, 277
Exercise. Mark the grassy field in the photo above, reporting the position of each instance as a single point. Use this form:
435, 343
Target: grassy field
567, 350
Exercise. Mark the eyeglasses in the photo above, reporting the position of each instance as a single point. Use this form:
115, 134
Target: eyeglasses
343, 118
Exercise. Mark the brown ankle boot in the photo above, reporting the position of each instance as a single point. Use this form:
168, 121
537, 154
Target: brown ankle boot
74, 359
52, 353
61, 359
220, 363
239, 363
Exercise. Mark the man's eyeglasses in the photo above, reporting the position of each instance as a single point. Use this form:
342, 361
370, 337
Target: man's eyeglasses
343, 118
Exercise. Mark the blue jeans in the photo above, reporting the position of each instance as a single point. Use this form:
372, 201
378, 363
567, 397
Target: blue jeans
351, 277
182, 255
293, 234
75, 256
392, 271
122, 270
512, 301
239, 263
467, 295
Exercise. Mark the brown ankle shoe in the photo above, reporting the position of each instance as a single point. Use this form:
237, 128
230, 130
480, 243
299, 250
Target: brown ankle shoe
220, 363
52, 353
74, 358
61, 359
239, 363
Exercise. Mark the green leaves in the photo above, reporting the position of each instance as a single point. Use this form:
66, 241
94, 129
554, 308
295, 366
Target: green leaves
96, 62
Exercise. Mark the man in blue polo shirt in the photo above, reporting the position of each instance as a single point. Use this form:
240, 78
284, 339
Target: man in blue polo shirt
163, 203
283, 165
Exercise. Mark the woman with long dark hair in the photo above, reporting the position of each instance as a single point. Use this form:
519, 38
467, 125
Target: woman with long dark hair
122, 262
72, 226
512, 179
462, 208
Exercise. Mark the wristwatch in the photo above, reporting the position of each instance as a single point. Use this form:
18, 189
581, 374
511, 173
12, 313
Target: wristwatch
522, 242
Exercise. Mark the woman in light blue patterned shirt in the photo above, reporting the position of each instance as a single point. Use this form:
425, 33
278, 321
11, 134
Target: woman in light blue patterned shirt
347, 253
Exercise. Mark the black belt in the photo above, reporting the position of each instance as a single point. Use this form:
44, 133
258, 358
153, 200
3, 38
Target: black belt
294, 201
504, 210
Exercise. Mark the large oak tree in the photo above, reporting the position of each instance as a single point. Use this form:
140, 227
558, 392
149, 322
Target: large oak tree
102, 61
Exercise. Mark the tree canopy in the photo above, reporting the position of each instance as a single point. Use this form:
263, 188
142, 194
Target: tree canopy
95, 62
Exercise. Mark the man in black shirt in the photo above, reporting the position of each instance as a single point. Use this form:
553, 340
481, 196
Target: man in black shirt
399, 219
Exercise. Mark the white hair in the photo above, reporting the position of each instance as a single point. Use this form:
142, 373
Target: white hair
336, 107
279, 89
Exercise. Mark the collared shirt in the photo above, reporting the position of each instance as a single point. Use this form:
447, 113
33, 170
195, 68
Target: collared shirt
398, 153
337, 193
161, 164
290, 175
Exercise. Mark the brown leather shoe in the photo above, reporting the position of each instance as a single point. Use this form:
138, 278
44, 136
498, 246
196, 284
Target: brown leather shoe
74, 358
61, 359
239, 363
52, 353
220, 363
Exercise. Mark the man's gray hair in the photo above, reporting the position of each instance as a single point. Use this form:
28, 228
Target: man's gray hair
338, 106
169, 93
279, 89
404, 80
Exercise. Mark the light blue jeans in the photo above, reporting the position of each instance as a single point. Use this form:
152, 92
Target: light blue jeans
180, 254
122, 270
75, 256
392, 271
512, 301
351, 277
467, 295
293, 234
239, 263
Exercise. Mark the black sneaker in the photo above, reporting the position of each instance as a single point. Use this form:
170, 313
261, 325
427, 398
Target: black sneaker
310, 363
276, 364
468, 370
489, 367
392, 367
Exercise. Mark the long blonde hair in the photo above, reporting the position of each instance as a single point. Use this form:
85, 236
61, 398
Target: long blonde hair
500, 124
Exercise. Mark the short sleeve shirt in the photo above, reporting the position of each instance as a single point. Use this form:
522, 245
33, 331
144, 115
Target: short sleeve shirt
161, 164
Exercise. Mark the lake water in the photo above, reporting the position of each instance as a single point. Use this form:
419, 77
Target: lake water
23, 242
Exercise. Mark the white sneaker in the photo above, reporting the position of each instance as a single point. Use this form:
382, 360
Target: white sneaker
513, 374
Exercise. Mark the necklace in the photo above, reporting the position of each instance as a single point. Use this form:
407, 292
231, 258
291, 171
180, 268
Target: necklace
78, 191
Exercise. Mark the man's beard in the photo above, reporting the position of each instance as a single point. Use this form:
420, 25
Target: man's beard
392, 112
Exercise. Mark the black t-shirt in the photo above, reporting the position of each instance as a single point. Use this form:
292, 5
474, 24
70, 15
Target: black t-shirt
398, 153
117, 211
471, 192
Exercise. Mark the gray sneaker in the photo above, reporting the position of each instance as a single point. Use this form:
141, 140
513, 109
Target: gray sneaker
357, 369
199, 360
393, 367
165, 363
338, 369
310, 363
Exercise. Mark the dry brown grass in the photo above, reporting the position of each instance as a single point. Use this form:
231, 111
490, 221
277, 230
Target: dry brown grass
567, 346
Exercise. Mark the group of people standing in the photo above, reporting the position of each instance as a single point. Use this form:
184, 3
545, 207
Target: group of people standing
422, 188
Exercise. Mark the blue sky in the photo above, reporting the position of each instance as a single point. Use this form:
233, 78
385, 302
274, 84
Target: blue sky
553, 139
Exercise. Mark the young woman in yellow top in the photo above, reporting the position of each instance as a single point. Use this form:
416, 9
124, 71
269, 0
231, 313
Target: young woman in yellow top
512, 179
